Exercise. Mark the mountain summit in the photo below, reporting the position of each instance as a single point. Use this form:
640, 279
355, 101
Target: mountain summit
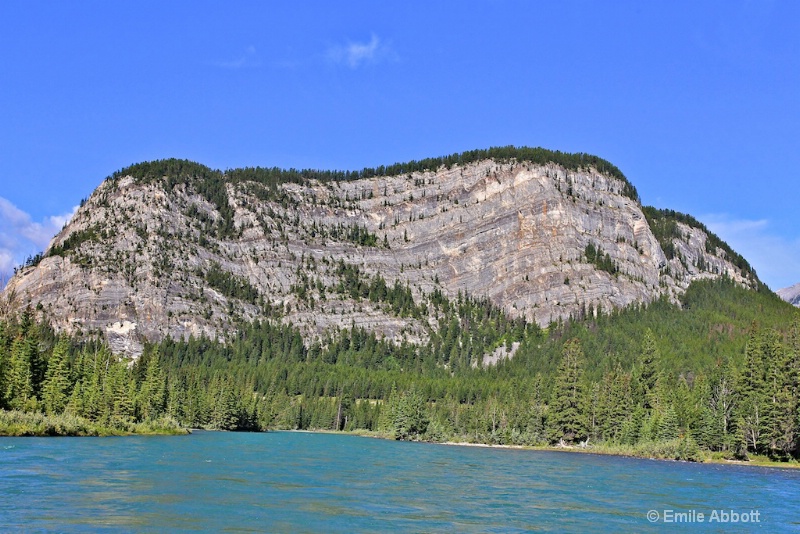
790, 294
173, 248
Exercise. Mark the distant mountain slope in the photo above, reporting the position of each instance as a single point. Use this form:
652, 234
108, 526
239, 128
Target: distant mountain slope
790, 294
173, 248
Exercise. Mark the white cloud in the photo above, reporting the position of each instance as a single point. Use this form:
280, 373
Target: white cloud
775, 258
355, 54
6, 266
21, 237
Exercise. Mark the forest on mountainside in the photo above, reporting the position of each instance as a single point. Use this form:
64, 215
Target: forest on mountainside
718, 374
177, 170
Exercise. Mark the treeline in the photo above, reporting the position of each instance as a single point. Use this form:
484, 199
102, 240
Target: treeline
727, 409
178, 170
703, 378
711, 324
41, 373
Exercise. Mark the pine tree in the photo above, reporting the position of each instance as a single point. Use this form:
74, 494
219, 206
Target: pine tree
36, 360
630, 433
75, 405
19, 384
668, 426
780, 434
723, 401
616, 394
650, 427
593, 411
683, 404
4, 364
388, 409
565, 417
225, 412
120, 387
55, 388
152, 395
93, 401
649, 371
406, 414
703, 429
771, 393
752, 391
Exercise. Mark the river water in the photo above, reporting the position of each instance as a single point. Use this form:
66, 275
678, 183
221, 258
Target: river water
302, 482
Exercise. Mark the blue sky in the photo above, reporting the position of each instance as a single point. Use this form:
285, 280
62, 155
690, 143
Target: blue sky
698, 103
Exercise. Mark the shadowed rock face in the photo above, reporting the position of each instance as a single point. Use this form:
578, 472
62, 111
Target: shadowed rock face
141, 259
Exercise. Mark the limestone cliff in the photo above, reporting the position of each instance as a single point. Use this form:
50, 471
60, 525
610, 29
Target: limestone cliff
192, 253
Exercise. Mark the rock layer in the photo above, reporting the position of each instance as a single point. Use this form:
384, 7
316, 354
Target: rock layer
139, 253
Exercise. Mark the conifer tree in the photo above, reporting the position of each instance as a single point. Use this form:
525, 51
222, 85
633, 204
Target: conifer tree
752, 390
704, 431
780, 433
616, 402
772, 390
683, 403
388, 408
668, 425
649, 372
55, 388
93, 401
19, 384
593, 411
152, 395
224, 415
407, 415
630, 433
723, 402
4, 364
119, 392
35, 356
566, 417
75, 405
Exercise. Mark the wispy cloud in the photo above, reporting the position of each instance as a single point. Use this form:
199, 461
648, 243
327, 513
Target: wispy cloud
247, 59
20, 236
776, 258
356, 54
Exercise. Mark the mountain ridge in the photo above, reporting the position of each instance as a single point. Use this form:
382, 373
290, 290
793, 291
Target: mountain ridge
790, 294
173, 248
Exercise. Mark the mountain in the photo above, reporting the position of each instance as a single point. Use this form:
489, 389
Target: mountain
175, 249
790, 294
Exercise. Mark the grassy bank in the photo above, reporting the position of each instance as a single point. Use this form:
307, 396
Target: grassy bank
16, 423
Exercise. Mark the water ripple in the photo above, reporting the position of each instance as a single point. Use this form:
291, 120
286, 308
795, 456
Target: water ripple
301, 482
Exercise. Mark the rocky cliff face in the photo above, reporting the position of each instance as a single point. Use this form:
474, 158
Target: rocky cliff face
144, 259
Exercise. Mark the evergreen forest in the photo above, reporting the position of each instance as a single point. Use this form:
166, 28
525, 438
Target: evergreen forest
714, 376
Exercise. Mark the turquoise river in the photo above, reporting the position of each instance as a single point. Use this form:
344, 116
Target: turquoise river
301, 482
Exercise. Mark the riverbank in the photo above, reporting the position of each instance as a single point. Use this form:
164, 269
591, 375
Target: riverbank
15, 423
664, 451
631, 452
